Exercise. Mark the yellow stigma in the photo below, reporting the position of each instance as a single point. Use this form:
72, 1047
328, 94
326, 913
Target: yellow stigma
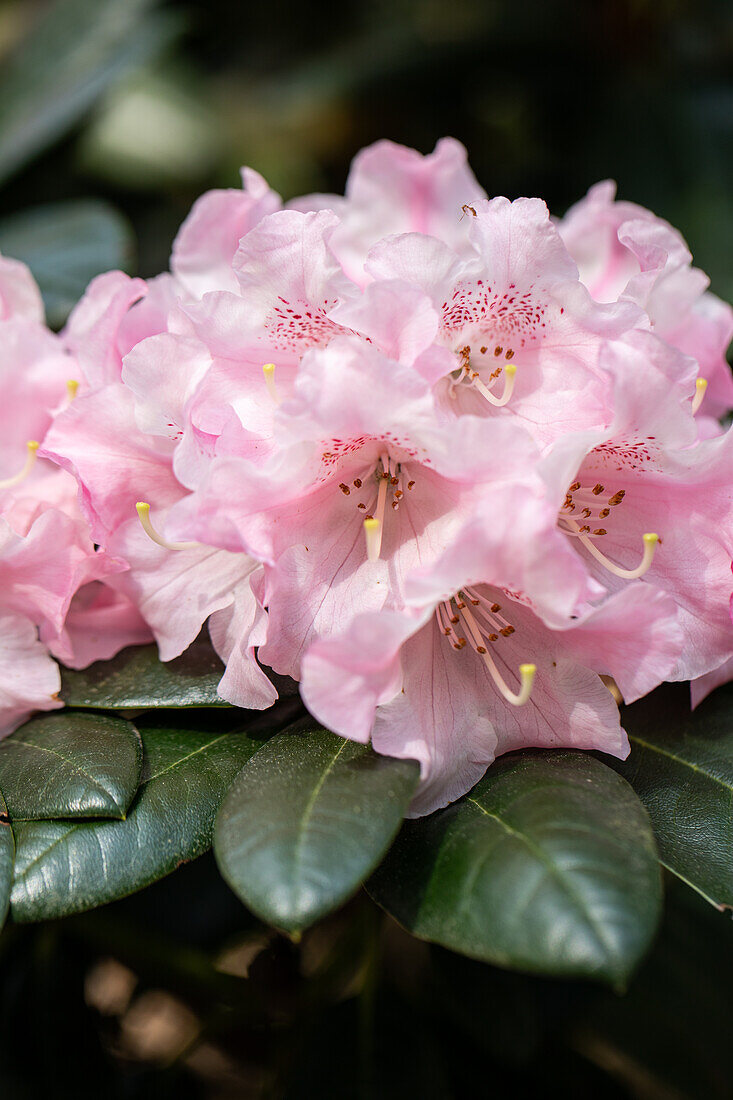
527, 675
143, 511
32, 447
373, 534
71, 388
268, 370
510, 370
700, 386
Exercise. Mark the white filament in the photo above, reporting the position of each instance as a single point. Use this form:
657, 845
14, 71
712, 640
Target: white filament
143, 511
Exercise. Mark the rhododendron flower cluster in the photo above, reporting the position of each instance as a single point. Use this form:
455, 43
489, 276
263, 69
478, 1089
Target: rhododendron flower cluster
455, 466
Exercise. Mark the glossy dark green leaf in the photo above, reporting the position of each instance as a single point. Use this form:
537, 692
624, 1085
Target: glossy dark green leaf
7, 854
65, 245
308, 818
64, 867
548, 865
70, 764
72, 55
136, 677
681, 767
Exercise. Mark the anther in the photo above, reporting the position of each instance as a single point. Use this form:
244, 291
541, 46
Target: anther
143, 511
269, 372
32, 447
700, 386
71, 388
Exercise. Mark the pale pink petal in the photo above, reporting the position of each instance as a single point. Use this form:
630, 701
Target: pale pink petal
163, 372
92, 330
235, 632
703, 685
208, 239
175, 590
392, 189
99, 623
19, 293
98, 441
29, 679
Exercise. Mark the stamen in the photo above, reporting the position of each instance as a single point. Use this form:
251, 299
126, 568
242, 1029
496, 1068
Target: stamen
269, 372
650, 545
143, 511
526, 671
700, 386
9, 482
510, 371
71, 388
373, 533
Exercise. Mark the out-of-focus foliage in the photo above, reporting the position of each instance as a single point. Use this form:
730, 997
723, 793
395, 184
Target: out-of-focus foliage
158, 100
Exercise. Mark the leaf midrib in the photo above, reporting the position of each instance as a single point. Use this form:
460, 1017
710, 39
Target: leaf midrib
554, 871
310, 805
680, 760
94, 783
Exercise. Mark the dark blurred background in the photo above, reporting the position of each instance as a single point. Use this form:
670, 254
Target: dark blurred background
146, 104
114, 116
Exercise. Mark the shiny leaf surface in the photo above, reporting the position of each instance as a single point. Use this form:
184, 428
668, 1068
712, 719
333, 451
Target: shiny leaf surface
70, 764
307, 819
548, 865
64, 867
681, 767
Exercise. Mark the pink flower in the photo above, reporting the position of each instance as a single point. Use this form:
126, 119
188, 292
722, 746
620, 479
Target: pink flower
647, 475
174, 589
524, 333
487, 658
625, 252
365, 483
392, 189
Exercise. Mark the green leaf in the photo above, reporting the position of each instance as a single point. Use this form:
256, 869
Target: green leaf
65, 245
681, 767
548, 865
7, 854
307, 819
63, 868
75, 52
136, 677
70, 765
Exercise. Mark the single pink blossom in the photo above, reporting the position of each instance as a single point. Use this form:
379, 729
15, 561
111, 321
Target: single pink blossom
626, 252
524, 333
477, 670
645, 498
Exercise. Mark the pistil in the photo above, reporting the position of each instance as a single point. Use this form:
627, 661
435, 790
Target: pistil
700, 386
143, 511
268, 371
32, 449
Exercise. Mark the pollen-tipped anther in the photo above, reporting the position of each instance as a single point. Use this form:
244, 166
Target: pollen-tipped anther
269, 372
72, 387
143, 511
373, 534
700, 386
22, 474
